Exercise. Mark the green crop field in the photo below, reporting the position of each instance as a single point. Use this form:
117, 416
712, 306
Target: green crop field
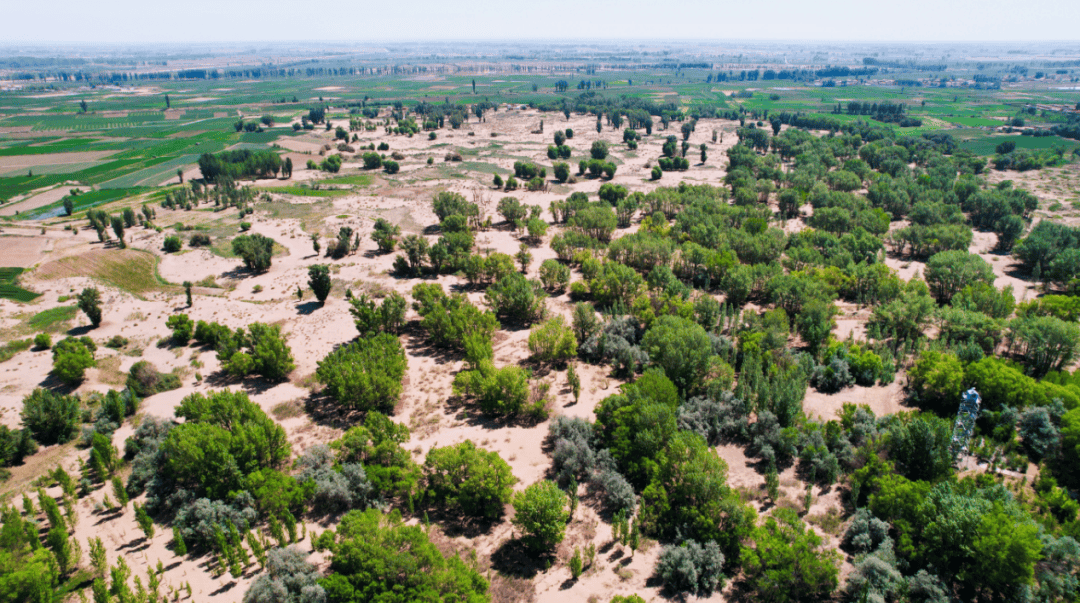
9, 288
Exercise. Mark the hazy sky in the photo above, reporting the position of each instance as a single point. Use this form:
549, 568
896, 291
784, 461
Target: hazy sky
380, 20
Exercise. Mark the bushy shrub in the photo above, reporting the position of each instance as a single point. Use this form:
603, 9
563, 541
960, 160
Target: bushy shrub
71, 357
1040, 435
468, 479
197, 522
334, 489
542, 511
145, 380
517, 298
199, 240
255, 250
500, 392
616, 494
691, 568
554, 275
366, 374
716, 420
289, 578
182, 328
50, 417
573, 456
553, 341
833, 376
866, 533
172, 244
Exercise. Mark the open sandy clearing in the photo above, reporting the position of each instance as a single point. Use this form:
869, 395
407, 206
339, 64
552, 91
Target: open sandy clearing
21, 252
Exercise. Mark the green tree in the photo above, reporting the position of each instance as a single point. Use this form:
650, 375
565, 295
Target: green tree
950, 271
319, 281
468, 479
117, 223
255, 250
71, 357
90, 304
788, 563
386, 317
366, 374
541, 511
369, 551
1045, 343
182, 328
682, 349
385, 235
517, 298
145, 523
553, 341
50, 417
187, 292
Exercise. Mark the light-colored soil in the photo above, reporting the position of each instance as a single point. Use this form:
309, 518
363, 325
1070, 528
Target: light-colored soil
67, 263
40, 200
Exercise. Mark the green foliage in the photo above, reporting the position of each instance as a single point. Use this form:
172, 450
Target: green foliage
255, 250
787, 563
542, 511
554, 275
145, 380
552, 341
262, 351
950, 271
225, 437
377, 444
368, 551
517, 298
1045, 343
386, 317
469, 480
366, 374
499, 392
182, 328
90, 304
50, 417
449, 319
319, 281
682, 349
937, 381
920, 446
595, 221
71, 357
688, 495
385, 235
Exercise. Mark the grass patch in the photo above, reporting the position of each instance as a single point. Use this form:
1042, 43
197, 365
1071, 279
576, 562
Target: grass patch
128, 269
353, 180
53, 320
9, 288
9, 349
305, 191
287, 410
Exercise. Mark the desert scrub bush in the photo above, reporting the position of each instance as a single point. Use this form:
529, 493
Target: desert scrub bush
288, 578
517, 298
554, 275
334, 488
42, 341
145, 380
199, 240
542, 511
182, 328
553, 341
468, 480
499, 392
261, 351
366, 374
448, 319
172, 244
71, 357
691, 568
255, 250
386, 317
50, 417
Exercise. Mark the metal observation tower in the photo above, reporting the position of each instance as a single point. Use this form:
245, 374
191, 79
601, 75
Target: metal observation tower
965, 422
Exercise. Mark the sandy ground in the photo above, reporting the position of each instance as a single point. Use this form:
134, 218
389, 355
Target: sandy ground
313, 331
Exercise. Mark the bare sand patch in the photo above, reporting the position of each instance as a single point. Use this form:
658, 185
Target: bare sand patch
299, 146
201, 99
14, 162
882, 399
330, 88
21, 252
174, 113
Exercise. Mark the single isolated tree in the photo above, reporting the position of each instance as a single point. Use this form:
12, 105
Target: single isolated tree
319, 281
90, 304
